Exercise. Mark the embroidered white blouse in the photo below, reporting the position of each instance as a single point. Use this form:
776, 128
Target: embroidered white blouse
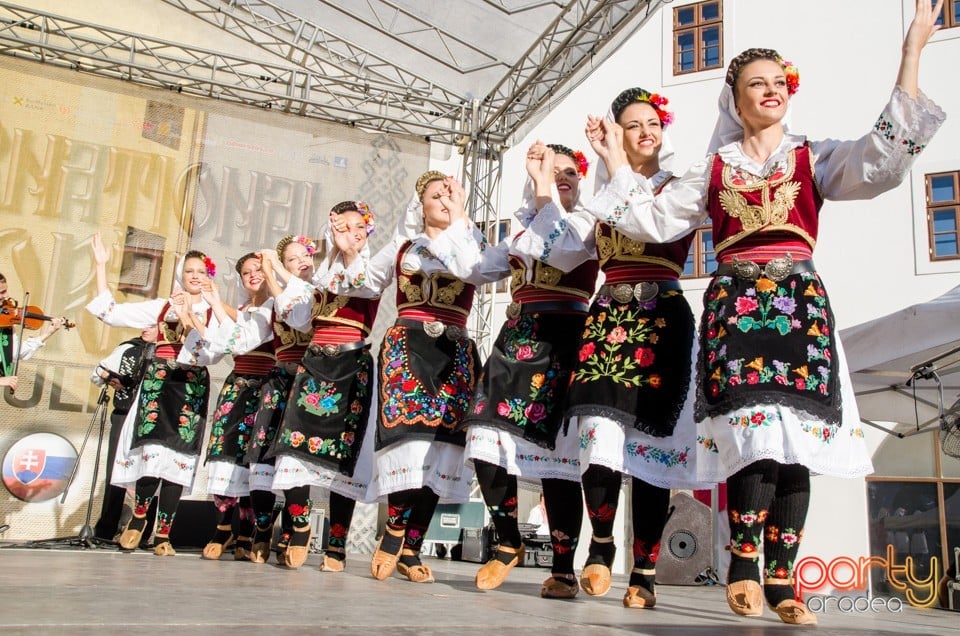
845, 170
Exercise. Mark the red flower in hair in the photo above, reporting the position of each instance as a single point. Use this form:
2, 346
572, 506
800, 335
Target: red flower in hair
793, 76
582, 163
210, 265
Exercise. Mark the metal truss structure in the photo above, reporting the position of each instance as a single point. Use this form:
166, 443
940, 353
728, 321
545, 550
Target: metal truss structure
310, 70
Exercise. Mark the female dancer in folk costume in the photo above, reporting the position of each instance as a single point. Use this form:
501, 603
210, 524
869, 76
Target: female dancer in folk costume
324, 438
162, 437
247, 335
426, 376
293, 258
774, 398
515, 417
631, 395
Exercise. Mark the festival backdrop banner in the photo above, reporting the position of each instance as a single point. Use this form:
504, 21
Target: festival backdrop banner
156, 173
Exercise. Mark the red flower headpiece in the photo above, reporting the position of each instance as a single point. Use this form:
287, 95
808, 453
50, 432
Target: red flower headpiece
367, 215
659, 103
793, 76
210, 265
582, 164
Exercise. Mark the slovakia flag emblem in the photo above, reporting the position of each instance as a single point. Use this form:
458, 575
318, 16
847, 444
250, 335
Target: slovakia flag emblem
38, 466
28, 464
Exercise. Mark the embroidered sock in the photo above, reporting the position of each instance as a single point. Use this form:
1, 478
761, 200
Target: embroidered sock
601, 491
500, 494
782, 532
564, 503
750, 492
262, 502
341, 514
650, 505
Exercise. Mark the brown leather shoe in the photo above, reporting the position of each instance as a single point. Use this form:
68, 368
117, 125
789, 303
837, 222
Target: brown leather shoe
130, 537
639, 597
215, 549
164, 549
260, 551
494, 572
415, 573
242, 548
560, 586
383, 563
795, 613
296, 555
329, 564
745, 598
595, 579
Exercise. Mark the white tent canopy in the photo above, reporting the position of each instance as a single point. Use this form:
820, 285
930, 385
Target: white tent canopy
901, 362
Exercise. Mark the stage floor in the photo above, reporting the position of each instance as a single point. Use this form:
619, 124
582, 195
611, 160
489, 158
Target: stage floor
102, 591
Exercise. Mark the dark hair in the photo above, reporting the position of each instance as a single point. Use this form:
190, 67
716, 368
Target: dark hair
194, 254
750, 55
563, 150
345, 206
243, 259
627, 97
3, 278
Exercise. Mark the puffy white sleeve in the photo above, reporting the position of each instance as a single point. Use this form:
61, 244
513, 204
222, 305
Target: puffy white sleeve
880, 160
29, 347
558, 239
138, 315
381, 268
630, 206
465, 254
349, 279
196, 350
252, 328
295, 304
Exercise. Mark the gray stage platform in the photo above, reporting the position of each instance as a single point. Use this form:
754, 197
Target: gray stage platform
106, 592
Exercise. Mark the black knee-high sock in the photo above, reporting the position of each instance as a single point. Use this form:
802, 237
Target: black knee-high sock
417, 524
601, 491
564, 503
499, 490
144, 492
650, 504
782, 531
297, 505
341, 515
167, 505
243, 523
399, 506
750, 493
226, 507
262, 502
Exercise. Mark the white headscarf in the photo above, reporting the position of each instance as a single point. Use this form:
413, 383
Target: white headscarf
729, 127
666, 155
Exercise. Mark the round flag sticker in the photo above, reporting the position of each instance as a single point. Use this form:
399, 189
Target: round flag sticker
38, 466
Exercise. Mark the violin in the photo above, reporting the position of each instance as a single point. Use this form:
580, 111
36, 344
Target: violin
32, 317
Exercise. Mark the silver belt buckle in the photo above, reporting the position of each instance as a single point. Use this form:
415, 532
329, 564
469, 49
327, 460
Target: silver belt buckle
513, 310
434, 328
622, 293
645, 292
745, 270
778, 268
455, 333
330, 349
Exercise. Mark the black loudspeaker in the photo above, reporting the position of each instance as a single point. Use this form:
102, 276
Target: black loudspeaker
194, 525
475, 545
686, 546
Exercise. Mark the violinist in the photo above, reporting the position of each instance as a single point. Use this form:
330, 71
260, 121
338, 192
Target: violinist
10, 347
